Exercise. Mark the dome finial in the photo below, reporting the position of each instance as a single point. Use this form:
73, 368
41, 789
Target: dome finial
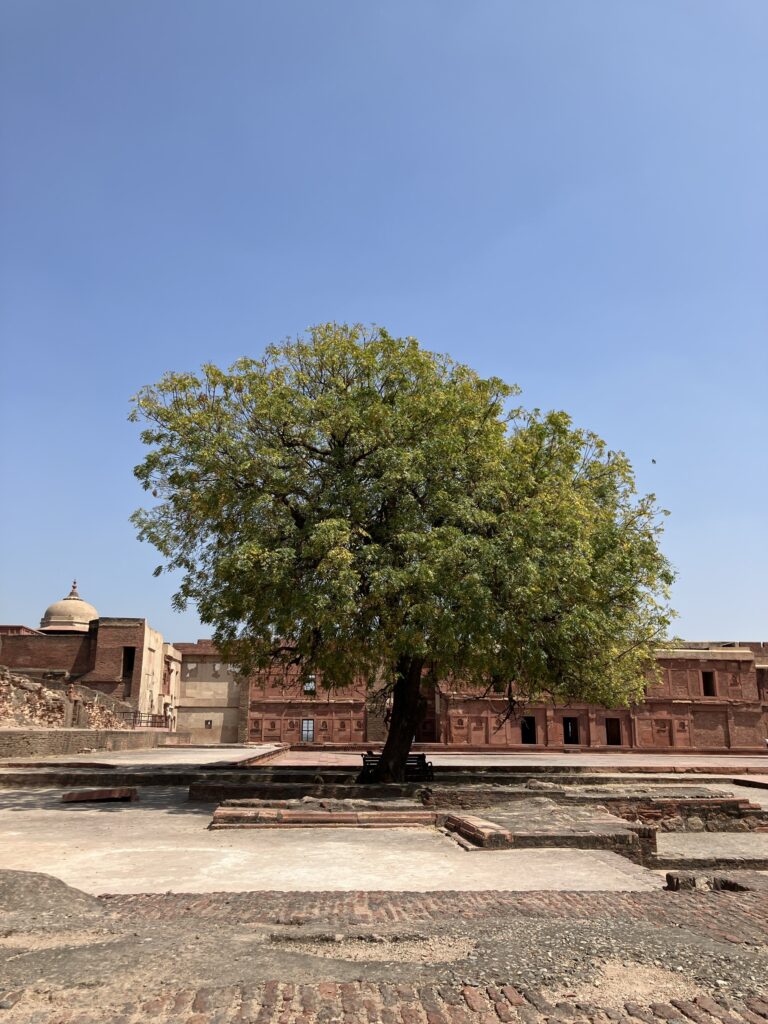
73, 592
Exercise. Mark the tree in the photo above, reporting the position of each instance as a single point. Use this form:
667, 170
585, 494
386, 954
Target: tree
360, 507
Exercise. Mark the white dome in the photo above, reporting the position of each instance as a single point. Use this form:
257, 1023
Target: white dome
72, 614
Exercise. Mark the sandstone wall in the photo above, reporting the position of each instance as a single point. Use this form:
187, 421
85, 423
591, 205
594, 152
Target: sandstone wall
46, 742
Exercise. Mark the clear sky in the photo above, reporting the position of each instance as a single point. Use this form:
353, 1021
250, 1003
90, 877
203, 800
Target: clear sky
570, 194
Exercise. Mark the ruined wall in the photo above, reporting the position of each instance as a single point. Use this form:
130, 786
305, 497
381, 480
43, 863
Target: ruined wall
46, 704
150, 699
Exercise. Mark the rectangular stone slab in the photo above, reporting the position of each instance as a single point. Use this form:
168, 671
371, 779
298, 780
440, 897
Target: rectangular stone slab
96, 795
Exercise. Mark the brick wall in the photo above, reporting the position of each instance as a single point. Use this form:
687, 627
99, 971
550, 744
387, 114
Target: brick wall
70, 653
107, 673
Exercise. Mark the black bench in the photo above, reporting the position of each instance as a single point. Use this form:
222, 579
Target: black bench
417, 767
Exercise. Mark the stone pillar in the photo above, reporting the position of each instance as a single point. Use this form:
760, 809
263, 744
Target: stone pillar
243, 707
592, 729
549, 719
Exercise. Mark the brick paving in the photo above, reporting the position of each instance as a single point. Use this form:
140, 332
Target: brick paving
381, 1003
735, 917
723, 934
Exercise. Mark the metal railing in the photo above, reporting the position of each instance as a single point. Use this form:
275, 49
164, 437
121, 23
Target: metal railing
143, 720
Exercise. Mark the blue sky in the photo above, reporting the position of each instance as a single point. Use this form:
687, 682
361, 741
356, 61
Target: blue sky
570, 194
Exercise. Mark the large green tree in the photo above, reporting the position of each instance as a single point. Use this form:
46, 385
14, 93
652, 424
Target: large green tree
362, 507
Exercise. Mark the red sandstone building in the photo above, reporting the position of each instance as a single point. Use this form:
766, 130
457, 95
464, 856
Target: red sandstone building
709, 697
122, 657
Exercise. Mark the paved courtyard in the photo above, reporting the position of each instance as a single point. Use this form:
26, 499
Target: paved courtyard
128, 913
162, 756
163, 843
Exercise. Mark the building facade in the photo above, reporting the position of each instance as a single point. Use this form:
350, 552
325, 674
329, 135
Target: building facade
122, 657
708, 697
211, 701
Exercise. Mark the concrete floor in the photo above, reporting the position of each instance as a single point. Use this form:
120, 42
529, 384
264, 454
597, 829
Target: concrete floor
170, 756
164, 756
705, 845
755, 794
162, 844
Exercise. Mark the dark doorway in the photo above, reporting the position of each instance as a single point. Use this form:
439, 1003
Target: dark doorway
570, 730
129, 660
708, 684
528, 729
613, 732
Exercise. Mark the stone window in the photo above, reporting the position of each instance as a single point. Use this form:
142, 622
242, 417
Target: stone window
307, 730
209, 723
310, 685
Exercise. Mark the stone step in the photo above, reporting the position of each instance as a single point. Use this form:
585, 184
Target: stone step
490, 835
268, 817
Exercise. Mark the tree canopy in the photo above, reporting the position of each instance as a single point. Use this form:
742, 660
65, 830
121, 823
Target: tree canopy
362, 507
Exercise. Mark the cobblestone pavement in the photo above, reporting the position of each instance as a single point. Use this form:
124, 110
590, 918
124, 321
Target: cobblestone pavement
394, 958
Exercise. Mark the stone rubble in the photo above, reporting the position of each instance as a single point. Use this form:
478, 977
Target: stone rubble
29, 704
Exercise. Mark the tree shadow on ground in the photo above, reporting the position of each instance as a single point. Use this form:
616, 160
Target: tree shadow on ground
169, 800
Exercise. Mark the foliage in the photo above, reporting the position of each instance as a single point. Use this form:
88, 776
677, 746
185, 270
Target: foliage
351, 500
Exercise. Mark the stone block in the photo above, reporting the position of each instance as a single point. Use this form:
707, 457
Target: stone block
124, 793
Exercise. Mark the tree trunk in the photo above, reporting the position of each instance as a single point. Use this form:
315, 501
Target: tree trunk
406, 710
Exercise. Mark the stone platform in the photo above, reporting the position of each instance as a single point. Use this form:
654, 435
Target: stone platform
707, 851
537, 822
